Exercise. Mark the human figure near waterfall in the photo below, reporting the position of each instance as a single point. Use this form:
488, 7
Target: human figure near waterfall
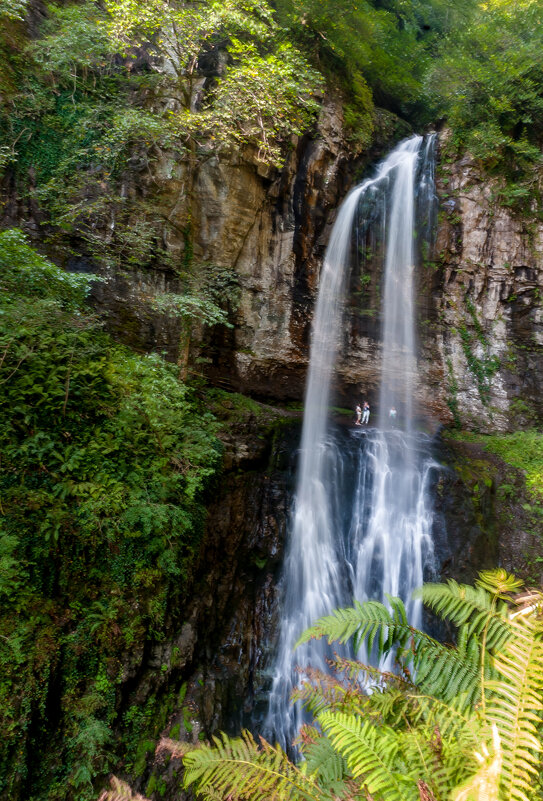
358, 411
366, 413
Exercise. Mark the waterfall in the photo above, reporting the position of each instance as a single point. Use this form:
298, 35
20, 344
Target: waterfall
361, 522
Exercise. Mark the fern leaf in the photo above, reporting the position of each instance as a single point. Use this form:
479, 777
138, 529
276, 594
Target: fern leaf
440, 670
371, 755
239, 769
325, 765
469, 606
357, 623
516, 705
443, 672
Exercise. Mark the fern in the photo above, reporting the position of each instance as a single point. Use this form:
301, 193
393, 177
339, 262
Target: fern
473, 607
325, 765
439, 669
320, 691
419, 736
239, 769
516, 706
371, 754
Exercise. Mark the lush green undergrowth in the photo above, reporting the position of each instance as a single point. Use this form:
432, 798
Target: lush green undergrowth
460, 722
521, 449
105, 459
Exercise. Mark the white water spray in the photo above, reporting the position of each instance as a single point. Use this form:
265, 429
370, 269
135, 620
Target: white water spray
361, 521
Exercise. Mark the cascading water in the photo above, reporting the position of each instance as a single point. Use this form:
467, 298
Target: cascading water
361, 524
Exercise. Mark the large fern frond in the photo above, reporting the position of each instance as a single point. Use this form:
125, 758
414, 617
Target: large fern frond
516, 704
240, 769
361, 622
371, 754
440, 670
473, 607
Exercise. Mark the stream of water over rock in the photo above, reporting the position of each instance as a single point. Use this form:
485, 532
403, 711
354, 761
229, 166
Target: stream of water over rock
362, 517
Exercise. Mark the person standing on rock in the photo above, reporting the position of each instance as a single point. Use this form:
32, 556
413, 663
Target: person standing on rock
366, 413
358, 411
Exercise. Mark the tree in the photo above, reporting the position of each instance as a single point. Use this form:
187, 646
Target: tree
235, 77
488, 82
457, 722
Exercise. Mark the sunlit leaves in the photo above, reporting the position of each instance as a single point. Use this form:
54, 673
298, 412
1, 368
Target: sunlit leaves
263, 88
13, 9
488, 82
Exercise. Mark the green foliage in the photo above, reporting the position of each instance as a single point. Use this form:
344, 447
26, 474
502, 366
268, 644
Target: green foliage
524, 450
13, 9
482, 367
487, 81
521, 449
240, 767
262, 90
378, 50
417, 734
24, 272
105, 461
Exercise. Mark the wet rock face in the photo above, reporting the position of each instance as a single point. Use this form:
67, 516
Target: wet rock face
484, 337
218, 654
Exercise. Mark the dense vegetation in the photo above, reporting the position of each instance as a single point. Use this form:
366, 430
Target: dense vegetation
106, 457
105, 87
105, 461
459, 722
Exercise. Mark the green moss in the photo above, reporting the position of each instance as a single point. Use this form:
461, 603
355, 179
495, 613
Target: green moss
175, 731
521, 449
230, 406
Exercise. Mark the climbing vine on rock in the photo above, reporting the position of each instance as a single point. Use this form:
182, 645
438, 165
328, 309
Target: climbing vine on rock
484, 367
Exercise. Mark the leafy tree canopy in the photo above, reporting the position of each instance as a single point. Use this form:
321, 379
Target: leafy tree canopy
488, 83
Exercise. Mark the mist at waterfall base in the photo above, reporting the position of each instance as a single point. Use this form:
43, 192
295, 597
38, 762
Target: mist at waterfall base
362, 516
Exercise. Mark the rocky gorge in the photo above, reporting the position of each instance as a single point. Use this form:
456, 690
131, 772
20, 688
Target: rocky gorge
480, 343
479, 334
479, 315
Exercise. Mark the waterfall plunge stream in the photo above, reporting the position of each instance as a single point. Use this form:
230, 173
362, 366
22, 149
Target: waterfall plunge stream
362, 518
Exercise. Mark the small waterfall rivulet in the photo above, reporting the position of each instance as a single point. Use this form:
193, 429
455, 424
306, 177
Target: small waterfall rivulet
362, 516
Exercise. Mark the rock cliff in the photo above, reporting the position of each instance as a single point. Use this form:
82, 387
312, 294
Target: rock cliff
480, 322
487, 329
